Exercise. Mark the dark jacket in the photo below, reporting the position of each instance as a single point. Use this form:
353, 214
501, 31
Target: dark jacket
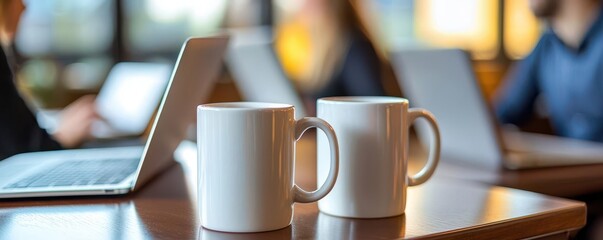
19, 130
360, 73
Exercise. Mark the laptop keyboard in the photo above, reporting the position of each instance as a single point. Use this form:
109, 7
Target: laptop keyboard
81, 173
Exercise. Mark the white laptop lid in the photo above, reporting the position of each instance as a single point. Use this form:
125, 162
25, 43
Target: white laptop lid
257, 72
192, 81
130, 96
442, 81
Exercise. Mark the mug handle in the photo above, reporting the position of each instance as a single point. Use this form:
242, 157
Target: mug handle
434, 148
301, 125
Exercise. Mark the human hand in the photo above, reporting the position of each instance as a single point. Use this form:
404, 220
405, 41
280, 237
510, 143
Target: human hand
76, 121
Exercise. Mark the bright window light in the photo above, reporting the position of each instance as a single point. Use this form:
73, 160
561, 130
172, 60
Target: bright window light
522, 29
467, 24
167, 11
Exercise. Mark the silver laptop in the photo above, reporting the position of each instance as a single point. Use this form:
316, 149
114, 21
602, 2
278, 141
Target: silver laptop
442, 81
256, 70
110, 171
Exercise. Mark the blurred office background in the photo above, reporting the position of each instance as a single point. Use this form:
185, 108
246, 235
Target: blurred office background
65, 48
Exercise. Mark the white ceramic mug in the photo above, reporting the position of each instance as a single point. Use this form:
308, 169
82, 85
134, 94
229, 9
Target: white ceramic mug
373, 141
246, 159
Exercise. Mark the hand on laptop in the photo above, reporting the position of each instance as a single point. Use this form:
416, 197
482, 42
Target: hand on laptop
76, 121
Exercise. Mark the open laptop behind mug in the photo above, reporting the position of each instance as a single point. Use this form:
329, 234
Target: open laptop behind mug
257, 71
110, 171
442, 80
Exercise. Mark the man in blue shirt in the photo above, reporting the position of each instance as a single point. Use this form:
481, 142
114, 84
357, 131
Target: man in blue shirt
565, 69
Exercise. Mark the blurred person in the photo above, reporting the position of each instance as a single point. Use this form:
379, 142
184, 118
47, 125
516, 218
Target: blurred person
565, 71
19, 130
325, 51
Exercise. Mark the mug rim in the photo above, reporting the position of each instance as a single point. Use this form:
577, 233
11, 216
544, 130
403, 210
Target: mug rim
363, 100
244, 106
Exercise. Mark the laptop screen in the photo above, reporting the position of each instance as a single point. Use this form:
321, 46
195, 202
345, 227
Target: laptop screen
131, 94
443, 82
257, 71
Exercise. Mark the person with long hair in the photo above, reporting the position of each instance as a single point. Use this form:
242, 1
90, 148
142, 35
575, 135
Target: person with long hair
19, 130
327, 52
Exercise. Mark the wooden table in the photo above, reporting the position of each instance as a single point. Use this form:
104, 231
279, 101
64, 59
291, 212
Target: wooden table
566, 181
166, 209
562, 181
